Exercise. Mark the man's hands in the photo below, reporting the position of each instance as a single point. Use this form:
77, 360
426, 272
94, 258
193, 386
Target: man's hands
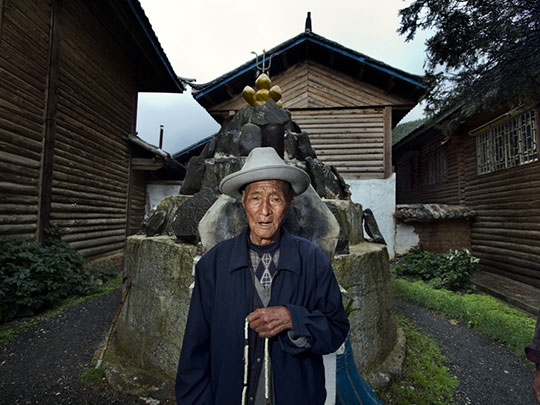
268, 322
536, 384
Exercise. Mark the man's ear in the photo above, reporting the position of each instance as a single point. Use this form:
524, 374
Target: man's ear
243, 196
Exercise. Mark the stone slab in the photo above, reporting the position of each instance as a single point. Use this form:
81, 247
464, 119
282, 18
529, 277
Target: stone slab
151, 325
365, 274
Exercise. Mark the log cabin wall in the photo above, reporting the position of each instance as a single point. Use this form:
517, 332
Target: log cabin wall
345, 118
23, 88
421, 186
67, 104
506, 232
139, 179
96, 103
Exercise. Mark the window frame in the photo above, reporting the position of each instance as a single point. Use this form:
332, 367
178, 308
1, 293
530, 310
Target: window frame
509, 143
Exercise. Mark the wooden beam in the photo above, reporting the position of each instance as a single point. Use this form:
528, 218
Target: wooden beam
390, 84
229, 90
130, 167
146, 164
51, 99
360, 72
285, 61
3, 6
387, 141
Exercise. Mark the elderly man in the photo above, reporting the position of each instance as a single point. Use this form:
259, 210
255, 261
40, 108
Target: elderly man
266, 305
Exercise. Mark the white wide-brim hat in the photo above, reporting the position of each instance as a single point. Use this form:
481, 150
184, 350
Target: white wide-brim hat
264, 164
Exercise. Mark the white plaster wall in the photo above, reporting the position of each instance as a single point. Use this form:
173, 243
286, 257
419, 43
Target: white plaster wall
157, 192
406, 238
379, 195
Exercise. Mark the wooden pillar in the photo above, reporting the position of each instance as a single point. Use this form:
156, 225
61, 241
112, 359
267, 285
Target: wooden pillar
129, 195
51, 102
387, 119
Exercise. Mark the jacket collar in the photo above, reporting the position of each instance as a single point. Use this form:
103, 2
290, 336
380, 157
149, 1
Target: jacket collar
289, 257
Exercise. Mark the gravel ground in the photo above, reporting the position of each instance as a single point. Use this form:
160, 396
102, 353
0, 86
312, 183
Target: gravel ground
43, 365
487, 373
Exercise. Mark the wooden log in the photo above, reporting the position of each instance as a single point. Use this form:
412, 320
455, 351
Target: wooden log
22, 107
98, 235
20, 127
508, 213
7, 187
76, 209
76, 179
513, 270
70, 222
88, 243
507, 256
26, 230
488, 225
81, 196
102, 250
85, 215
109, 170
10, 218
518, 245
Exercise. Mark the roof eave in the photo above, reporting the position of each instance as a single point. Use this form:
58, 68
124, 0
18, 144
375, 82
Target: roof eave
200, 90
128, 25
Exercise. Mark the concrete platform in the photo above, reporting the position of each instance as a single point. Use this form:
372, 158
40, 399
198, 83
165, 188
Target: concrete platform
519, 295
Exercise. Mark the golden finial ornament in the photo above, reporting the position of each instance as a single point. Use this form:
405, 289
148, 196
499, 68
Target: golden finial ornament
264, 92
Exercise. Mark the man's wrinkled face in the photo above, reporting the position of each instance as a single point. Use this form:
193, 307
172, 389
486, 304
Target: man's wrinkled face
266, 203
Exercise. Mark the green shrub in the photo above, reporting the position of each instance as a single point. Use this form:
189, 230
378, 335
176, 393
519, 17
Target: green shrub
451, 271
33, 277
93, 376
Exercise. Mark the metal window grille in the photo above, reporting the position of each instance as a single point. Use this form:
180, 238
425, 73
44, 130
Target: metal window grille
511, 143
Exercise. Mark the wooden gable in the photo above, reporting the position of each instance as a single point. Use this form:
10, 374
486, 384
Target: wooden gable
346, 101
345, 118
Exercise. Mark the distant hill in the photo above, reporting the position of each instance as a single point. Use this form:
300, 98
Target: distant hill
402, 130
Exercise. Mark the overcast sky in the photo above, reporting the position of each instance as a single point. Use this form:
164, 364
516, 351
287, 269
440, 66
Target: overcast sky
204, 39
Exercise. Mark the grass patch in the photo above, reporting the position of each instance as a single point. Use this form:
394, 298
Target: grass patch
93, 376
8, 331
425, 379
485, 314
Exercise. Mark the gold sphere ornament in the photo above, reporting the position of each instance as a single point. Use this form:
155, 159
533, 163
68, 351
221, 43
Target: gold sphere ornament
249, 95
264, 92
262, 95
275, 93
263, 81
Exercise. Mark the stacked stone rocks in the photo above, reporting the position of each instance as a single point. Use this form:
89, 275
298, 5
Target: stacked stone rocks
227, 152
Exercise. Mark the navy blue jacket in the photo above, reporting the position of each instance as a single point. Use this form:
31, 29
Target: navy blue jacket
210, 370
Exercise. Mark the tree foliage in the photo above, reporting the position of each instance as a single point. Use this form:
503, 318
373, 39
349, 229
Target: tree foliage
404, 129
482, 52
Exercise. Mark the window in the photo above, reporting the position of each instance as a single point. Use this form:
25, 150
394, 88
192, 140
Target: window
404, 176
511, 143
437, 166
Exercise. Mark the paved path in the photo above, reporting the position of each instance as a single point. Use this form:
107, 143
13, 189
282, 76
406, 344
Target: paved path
487, 373
43, 365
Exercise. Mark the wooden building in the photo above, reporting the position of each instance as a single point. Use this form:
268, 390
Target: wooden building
70, 72
490, 165
347, 102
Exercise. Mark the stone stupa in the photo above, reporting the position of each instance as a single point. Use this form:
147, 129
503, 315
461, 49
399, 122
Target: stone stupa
143, 355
